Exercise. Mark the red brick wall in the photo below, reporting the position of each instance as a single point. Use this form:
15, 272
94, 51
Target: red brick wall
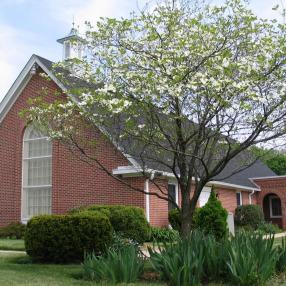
74, 182
275, 186
228, 198
158, 207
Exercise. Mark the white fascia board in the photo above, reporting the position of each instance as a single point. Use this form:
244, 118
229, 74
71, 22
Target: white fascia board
16, 88
130, 170
20, 83
268, 177
232, 186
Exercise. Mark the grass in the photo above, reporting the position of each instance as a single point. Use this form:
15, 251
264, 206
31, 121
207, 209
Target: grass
12, 244
16, 269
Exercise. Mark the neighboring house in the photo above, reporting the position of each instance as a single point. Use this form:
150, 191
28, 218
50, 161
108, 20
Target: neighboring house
39, 176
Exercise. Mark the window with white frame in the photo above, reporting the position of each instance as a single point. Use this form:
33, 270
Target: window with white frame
172, 195
37, 174
238, 199
275, 207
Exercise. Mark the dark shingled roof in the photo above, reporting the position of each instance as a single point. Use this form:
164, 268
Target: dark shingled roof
241, 177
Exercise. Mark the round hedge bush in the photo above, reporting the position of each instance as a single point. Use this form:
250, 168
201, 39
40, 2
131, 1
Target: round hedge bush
175, 219
212, 218
249, 216
129, 222
66, 238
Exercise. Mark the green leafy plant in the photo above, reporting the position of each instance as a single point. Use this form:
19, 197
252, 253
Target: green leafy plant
180, 263
159, 234
251, 259
65, 238
267, 228
249, 216
175, 219
281, 261
212, 218
215, 253
13, 230
129, 222
121, 266
119, 242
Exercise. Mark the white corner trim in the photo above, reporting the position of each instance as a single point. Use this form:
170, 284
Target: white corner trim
147, 200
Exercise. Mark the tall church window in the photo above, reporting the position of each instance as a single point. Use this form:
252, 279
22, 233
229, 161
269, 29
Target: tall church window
37, 174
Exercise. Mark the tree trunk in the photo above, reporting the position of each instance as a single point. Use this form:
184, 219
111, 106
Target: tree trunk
187, 213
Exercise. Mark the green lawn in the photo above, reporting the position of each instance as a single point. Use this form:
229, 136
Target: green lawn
15, 269
12, 244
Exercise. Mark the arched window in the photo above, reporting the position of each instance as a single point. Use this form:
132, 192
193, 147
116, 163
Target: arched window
37, 174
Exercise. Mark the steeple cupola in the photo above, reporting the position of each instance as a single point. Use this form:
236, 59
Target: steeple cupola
72, 45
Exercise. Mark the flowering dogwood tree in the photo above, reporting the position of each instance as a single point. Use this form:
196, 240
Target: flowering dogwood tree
193, 85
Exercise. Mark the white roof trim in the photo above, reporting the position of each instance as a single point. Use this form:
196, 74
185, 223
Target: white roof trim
233, 186
268, 177
130, 170
137, 170
20, 83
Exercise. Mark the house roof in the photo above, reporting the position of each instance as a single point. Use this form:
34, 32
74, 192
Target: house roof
239, 179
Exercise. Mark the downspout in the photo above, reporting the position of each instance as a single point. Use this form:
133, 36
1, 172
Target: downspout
250, 196
147, 198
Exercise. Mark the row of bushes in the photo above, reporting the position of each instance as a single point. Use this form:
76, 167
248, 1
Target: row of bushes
251, 218
129, 222
245, 260
212, 219
65, 238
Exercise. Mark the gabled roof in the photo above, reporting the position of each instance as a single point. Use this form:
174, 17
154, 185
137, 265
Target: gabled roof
240, 179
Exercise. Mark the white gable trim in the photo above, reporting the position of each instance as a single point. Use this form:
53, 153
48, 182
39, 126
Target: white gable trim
20, 83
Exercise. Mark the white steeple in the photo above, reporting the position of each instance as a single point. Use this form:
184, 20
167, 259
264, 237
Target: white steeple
72, 44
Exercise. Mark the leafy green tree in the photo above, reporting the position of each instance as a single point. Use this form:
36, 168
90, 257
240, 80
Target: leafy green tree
274, 159
182, 87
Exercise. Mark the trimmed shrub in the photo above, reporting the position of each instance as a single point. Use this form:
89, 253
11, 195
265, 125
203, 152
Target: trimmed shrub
65, 238
159, 234
129, 222
212, 218
121, 266
249, 216
175, 219
14, 230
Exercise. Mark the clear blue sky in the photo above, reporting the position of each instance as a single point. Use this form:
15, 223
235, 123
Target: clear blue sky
31, 27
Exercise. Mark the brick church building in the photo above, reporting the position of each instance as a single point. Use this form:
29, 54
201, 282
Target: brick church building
39, 176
